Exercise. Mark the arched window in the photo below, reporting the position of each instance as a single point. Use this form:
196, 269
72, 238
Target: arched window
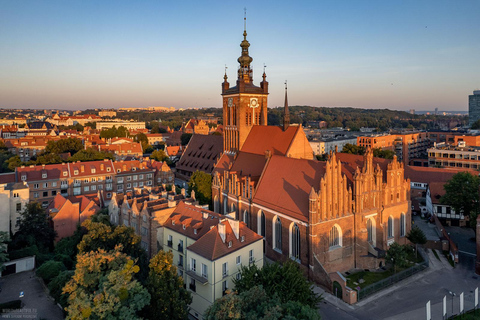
216, 205
261, 223
277, 233
295, 242
246, 218
233, 208
335, 237
369, 230
390, 227
402, 225
225, 206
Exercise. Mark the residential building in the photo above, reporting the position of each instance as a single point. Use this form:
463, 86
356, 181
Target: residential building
131, 125
473, 107
122, 150
196, 126
209, 249
67, 213
107, 113
14, 197
40, 128
174, 152
133, 174
156, 139
326, 145
451, 156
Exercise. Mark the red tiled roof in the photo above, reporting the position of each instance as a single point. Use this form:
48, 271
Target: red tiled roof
133, 148
436, 191
288, 192
173, 150
91, 168
350, 162
271, 138
212, 247
201, 153
7, 177
429, 175
34, 173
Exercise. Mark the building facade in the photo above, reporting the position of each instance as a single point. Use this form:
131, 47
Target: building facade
473, 107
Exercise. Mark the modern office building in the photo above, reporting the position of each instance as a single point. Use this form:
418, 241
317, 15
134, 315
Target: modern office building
473, 107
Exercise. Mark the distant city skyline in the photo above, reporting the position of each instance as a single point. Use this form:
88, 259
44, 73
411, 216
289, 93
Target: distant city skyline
110, 54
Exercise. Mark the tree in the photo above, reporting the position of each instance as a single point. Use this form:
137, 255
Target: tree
256, 303
285, 280
353, 149
416, 236
476, 125
201, 183
103, 287
142, 139
170, 299
13, 163
50, 270
462, 194
90, 155
386, 154
69, 145
185, 138
396, 255
3, 249
56, 286
34, 228
159, 155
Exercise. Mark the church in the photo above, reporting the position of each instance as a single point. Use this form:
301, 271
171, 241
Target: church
329, 216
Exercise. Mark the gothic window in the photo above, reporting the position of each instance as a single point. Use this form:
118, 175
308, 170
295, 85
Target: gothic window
335, 237
295, 242
402, 225
225, 205
390, 227
261, 223
246, 218
277, 234
216, 205
369, 230
234, 209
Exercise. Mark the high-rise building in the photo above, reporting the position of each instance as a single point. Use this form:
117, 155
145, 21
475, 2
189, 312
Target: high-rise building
473, 107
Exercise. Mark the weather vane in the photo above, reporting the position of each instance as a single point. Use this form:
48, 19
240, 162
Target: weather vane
245, 18
264, 66
285, 84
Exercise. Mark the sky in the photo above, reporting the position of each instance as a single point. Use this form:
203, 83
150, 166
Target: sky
390, 54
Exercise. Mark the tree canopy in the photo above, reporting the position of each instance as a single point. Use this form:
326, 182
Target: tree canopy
462, 194
159, 155
201, 183
103, 287
70, 145
170, 300
3, 249
114, 132
416, 236
91, 154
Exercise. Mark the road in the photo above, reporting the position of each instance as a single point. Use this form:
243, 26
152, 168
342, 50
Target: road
407, 299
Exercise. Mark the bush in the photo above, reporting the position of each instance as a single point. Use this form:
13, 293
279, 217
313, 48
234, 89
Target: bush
50, 270
24, 252
56, 287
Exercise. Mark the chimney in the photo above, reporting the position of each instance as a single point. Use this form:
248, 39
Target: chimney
221, 231
172, 203
268, 154
82, 168
102, 166
182, 192
235, 224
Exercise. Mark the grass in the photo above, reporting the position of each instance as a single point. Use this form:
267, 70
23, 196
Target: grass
436, 254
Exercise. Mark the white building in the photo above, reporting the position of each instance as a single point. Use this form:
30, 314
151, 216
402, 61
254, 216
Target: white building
131, 125
13, 198
209, 250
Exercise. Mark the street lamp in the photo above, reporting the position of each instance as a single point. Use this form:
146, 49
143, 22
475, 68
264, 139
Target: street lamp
453, 295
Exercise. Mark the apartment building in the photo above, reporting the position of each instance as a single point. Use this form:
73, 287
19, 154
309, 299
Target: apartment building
123, 150
14, 197
145, 210
133, 174
131, 125
454, 156
209, 250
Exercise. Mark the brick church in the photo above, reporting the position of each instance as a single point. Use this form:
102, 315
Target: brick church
329, 216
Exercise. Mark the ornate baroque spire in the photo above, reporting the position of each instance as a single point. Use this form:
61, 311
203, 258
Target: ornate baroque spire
286, 113
245, 72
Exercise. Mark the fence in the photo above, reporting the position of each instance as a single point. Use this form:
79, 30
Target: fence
377, 286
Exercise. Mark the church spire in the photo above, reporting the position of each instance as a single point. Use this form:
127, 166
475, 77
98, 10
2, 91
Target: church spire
244, 71
286, 113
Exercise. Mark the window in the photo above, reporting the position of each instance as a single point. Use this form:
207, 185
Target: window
230, 244
24, 177
402, 225
94, 170
335, 239
295, 242
261, 223
94, 187
19, 207
192, 286
54, 192
35, 186
246, 219
149, 183
75, 172
238, 276
180, 245
129, 178
224, 287
170, 241
251, 259
141, 177
239, 259
277, 234
144, 231
135, 184
94, 179
193, 264
390, 227
129, 185
45, 185
140, 184
86, 188
44, 175
35, 194
77, 191
54, 184
65, 173
86, 180
135, 177
225, 269
180, 260
45, 193
369, 230
204, 271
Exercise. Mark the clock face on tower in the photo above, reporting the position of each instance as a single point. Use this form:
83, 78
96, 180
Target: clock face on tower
253, 102
230, 102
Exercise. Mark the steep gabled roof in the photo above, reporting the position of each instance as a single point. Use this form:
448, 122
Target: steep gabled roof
273, 138
286, 184
201, 153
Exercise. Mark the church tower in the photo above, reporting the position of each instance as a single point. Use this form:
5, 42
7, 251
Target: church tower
244, 105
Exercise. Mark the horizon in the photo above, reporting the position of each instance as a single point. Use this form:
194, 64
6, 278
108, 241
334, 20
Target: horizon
375, 55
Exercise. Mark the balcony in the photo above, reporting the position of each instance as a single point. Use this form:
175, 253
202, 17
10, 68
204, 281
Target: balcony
170, 243
197, 277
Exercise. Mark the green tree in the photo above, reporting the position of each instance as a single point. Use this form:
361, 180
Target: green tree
185, 138
56, 287
159, 155
143, 140
170, 299
256, 303
90, 155
47, 158
3, 249
50, 270
5, 156
103, 287
70, 145
92, 125
13, 162
353, 149
396, 255
285, 280
201, 183
34, 228
476, 125
416, 236
386, 154
462, 194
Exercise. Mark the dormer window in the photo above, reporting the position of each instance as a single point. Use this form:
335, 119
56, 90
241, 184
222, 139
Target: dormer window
194, 231
230, 244
108, 169
94, 170
118, 170
134, 169
242, 239
44, 175
24, 177
65, 173
173, 222
75, 172
184, 227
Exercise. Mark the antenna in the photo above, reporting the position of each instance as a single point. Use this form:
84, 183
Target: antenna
285, 84
226, 69
264, 66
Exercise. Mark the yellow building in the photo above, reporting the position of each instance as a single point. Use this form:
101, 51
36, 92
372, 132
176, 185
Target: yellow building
208, 250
